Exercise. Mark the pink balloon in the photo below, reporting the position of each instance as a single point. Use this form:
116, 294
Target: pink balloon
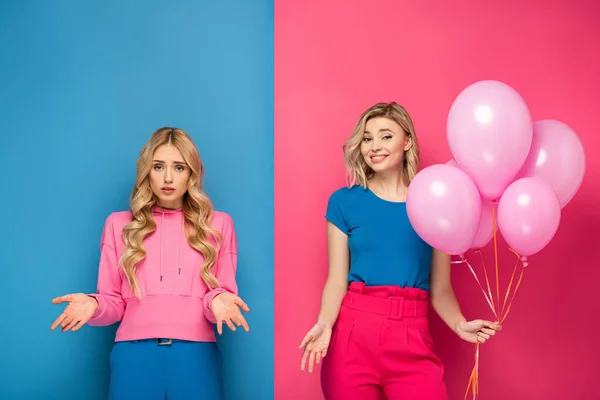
489, 133
557, 157
528, 215
444, 207
485, 233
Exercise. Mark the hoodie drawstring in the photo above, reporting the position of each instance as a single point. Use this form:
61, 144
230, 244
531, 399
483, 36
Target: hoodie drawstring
162, 242
181, 242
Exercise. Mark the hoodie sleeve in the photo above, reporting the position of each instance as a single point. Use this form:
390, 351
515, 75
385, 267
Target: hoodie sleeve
226, 267
111, 305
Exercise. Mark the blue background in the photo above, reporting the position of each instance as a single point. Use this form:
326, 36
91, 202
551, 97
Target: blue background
82, 88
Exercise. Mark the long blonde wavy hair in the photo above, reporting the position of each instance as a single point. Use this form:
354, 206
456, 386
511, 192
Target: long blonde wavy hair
358, 172
197, 208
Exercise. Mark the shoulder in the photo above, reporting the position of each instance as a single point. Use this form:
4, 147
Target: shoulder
345, 194
221, 221
113, 226
118, 219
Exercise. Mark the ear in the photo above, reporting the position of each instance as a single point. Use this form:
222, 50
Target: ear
408, 143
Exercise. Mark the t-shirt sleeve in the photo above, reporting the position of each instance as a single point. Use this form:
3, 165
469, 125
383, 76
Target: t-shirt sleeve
335, 212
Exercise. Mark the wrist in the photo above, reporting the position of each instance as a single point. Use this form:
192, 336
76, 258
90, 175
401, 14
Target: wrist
325, 322
214, 297
457, 323
96, 303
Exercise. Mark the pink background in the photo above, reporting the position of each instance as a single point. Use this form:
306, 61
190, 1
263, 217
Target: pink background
333, 59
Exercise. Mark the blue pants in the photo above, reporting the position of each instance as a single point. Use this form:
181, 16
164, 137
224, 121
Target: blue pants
158, 370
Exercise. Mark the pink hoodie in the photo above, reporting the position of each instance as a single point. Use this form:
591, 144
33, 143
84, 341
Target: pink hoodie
174, 300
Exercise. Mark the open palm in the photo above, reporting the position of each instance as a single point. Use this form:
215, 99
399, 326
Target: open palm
80, 308
315, 345
226, 309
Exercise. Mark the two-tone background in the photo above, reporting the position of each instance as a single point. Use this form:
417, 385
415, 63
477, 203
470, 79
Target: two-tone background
269, 91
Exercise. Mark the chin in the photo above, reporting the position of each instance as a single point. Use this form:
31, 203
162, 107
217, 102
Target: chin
384, 168
379, 168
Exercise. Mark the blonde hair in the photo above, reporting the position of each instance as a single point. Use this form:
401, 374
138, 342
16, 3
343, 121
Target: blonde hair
358, 172
197, 208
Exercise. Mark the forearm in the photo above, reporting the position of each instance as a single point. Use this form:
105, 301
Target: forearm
111, 305
110, 310
446, 305
226, 275
331, 300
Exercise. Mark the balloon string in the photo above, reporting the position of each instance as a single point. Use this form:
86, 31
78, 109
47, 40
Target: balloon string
512, 278
488, 299
494, 221
487, 281
474, 379
477, 371
523, 263
473, 385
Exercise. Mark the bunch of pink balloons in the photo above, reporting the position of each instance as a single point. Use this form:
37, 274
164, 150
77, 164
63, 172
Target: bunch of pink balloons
529, 170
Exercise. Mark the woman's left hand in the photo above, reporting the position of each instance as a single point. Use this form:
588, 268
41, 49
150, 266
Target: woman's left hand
477, 331
226, 308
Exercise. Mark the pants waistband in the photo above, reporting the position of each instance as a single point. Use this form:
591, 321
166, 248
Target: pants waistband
391, 301
159, 341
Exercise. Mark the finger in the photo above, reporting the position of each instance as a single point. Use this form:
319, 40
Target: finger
61, 299
324, 352
57, 321
230, 325
235, 319
483, 335
480, 339
487, 324
70, 325
220, 327
241, 303
488, 331
243, 323
318, 357
66, 322
78, 326
304, 358
306, 340
311, 361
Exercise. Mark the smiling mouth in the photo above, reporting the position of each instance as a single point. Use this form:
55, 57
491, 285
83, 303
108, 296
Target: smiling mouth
377, 159
168, 189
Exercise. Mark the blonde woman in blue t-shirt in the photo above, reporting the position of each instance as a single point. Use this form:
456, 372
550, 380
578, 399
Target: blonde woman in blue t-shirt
373, 323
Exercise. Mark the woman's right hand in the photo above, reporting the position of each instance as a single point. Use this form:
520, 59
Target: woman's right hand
315, 345
79, 310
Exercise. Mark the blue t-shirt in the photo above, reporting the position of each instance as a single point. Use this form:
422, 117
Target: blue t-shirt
384, 247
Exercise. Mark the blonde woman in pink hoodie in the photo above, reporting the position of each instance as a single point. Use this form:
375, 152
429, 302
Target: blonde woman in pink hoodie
167, 273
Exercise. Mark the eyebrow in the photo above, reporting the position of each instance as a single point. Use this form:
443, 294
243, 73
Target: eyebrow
381, 130
175, 162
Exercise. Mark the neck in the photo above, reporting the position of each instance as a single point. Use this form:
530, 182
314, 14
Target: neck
170, 206
389, 185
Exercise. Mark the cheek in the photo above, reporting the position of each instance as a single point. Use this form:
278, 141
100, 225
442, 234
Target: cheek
399, 147
364, 149
154, 178
184, 181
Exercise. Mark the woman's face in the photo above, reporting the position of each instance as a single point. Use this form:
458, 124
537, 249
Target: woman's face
384, 143
169, 176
